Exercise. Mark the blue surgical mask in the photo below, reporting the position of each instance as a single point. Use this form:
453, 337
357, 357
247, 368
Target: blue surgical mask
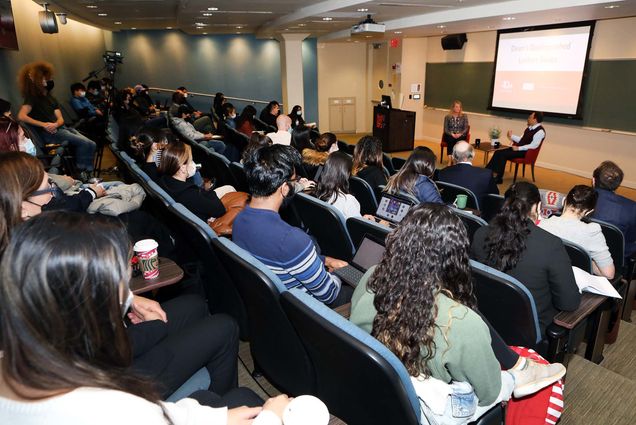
29, 147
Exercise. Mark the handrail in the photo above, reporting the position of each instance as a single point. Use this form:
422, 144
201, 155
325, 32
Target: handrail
253, 101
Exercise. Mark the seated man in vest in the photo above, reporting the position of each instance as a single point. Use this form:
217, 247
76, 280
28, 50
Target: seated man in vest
613, 208
288, 251
531, 139
462, 173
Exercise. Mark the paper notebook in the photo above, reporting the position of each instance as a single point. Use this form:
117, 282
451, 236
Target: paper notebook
594, 284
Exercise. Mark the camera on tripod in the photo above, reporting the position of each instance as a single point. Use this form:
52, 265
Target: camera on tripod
112, 57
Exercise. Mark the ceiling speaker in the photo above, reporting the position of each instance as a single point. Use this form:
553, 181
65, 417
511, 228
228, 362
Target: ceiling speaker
454, 41
48, 23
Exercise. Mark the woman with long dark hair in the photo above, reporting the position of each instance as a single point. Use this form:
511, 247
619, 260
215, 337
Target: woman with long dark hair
419, 302
580, 203
270, 113
217, 105
296, 115
245, 121
513, 244
333, 185
415, 177
367, 161
301, 139
66, 355
148, 147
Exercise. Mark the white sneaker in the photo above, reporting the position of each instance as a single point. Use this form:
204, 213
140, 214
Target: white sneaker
535, 376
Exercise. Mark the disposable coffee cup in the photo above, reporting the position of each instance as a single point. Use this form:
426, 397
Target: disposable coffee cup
146, 251
460, 201
306, 410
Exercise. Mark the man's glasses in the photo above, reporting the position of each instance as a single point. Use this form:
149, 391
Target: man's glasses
52, 189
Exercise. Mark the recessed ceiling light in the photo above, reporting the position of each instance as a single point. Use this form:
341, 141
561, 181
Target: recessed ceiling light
363, 9
207, 14
213, 8
199, 24
441, 26
239, 27
133, 28
102, 14
238, 32
92, 6
612, 6
301, 25
397, 32
367, 36
327, 19
117, 22
205, 33
168, 28
509, 18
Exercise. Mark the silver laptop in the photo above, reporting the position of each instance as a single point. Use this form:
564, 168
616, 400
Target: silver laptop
369, 254
393, 208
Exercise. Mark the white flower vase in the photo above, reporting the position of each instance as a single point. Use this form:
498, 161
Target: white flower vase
494, 141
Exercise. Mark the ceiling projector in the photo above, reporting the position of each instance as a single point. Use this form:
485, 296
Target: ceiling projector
368, 26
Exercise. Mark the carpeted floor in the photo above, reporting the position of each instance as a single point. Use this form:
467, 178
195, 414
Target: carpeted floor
620, 357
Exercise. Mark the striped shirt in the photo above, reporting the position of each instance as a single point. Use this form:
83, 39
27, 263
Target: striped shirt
286, 250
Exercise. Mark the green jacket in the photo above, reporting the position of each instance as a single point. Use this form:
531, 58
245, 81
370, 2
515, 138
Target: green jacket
462, 342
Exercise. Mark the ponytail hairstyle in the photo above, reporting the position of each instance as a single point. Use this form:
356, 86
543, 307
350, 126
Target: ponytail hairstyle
141, 144
508, 230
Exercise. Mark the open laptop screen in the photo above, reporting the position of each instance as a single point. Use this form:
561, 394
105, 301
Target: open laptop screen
392, 208
369, 253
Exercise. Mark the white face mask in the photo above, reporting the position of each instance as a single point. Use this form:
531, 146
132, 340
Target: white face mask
192, 169
82, 94
232, 116
28, 147
185, 95
333, 148
299, 112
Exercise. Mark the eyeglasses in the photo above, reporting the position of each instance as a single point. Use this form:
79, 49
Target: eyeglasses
51, 189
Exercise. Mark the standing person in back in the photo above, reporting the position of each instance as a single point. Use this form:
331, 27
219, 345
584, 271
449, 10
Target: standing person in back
462, 173
614, 208
416, 177
532, 138
287, 250
513, 244
455, 126
42, 111
367, 161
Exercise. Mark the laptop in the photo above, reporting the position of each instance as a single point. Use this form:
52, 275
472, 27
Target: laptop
369, 253
393, 208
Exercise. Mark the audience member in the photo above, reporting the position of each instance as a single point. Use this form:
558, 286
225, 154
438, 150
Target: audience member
245, 121
181, 123
613, 208
455, 126
296, 116
42, 111
288, 251
79, 283
324, 145
513, 244
531, 139
462, 173
580, 203
367, 161
177, 169
13, 138
333, 185
143, 102
148, 146
269, 114
415, 177
217, 105
94, 124
424, 311
229, 115
257, 141
301, 138
201, 122
94, 94
130, 120
283, 135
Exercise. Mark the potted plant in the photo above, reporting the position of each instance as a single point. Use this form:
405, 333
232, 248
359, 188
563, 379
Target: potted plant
494, 133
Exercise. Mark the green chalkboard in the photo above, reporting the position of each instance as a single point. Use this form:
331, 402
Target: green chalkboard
609, 93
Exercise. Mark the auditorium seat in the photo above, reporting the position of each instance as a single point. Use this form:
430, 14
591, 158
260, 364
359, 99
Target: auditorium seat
274, 344
491, 205
471, 222
325, 223
407, 196
579, 257
388, 164
359, 226
443, 145
240, 178
449, 192
397, 162
363, 192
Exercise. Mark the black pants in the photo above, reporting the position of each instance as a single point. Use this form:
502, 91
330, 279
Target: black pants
498, 161
504, 354
235, 398
450, 142
194, 340
344, 296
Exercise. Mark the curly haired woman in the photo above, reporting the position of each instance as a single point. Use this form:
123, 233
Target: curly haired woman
419, 302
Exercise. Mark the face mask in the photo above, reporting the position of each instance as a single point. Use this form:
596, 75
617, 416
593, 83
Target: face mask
125, 306
192, 169
290, 130
82, 94
233, 116
157, 158
333, 148
49, 85
185, 95
294, 188
299, 113
29, 147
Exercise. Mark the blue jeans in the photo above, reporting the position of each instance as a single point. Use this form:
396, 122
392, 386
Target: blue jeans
216, 145
84, 147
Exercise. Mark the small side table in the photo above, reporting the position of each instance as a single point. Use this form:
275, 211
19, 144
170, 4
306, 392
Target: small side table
169, 273
486, 148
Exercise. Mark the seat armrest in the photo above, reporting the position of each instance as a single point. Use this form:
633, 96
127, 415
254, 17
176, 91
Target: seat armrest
589, 303
554, 331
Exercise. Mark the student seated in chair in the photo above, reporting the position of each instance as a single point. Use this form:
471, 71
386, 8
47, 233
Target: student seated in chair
416, 177
579, 204
182, 124
424, 311
288, 251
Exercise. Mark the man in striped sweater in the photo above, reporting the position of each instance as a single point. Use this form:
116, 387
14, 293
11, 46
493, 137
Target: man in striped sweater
288, 251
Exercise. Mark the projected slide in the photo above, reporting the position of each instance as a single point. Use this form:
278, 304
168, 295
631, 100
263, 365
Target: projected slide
541, 70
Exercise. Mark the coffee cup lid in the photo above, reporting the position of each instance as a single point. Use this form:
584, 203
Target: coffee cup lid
306, 410
145, 245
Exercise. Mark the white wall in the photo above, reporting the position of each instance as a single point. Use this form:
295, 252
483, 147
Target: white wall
573, 149
74, 51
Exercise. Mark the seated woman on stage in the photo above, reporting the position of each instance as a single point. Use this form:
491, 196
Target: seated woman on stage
415, 177
455, 126
367, 161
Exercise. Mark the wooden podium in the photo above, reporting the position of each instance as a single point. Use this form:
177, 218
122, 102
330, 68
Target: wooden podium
396, 128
